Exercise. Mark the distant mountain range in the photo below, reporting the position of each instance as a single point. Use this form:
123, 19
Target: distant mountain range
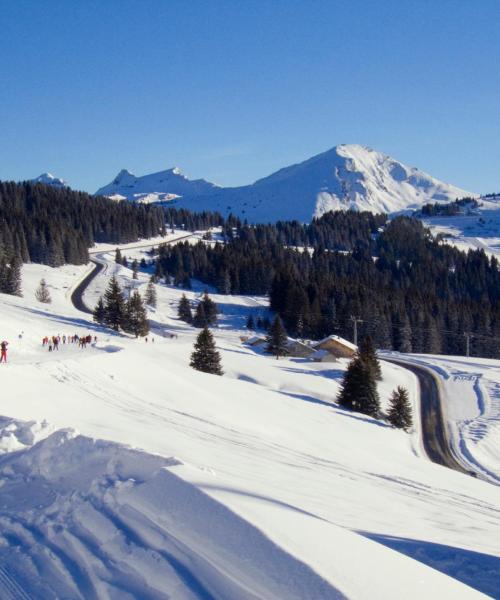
346, 177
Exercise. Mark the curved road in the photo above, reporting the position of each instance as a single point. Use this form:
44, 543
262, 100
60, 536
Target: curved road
434, 437
77, 294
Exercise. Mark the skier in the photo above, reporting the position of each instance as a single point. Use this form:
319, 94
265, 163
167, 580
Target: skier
3, 349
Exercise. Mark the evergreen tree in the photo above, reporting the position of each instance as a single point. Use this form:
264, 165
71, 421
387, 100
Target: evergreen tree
150, 296
402, 334
136, 320
224, 284
135, 268
400, 413
250, 322
99, 311
118, 256
277, 339
13, 277
200, 318
359, 389
205, 357
210, 309
114, 304
369, 356
184, 310
42, 293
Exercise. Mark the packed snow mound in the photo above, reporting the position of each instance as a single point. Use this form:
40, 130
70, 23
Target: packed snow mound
101, 520
157, 187
49, 179
347, 177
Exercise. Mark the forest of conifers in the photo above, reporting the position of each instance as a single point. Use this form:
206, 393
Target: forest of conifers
411, 292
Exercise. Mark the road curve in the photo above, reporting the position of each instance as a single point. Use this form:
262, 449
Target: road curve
434, 436
77, 294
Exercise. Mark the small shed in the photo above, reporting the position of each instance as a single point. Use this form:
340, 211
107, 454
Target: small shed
299, 349
337, 346
256, 341
323, 356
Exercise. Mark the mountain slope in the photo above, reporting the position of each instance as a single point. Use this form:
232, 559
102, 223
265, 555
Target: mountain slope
345, 177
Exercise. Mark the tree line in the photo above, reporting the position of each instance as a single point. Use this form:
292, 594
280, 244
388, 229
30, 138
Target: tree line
411, 292
54, 226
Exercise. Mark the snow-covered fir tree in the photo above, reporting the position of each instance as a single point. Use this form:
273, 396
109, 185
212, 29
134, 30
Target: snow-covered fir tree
136, 320
400, 413
277, 339
42, 293
369, 356
358, 391
205, 356
184, 310
150, 297
114, 303
99, 312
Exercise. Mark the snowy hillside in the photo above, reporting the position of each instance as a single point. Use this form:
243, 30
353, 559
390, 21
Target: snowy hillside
345, 177
49, 179
157, 187
250, 485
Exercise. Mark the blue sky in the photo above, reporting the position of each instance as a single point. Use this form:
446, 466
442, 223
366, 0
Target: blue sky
233, 90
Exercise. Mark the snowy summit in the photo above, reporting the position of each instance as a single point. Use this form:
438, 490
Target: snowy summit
157, 187
49, 179
347, 177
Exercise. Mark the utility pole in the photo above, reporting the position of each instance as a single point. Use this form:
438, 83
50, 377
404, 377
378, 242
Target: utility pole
355, 321
467, 343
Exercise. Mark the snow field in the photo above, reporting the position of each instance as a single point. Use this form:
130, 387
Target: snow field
334, 501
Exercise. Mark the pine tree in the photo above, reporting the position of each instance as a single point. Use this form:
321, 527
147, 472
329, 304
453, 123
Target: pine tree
118, 256
277, 339
135, 268
250, 322
200, 318
400, 413
42, 293
150, 296
205, 357
359, 389
99, 311
114, 303
136, 320
210, 309
184, 310
13, 277
369, 356
224, 283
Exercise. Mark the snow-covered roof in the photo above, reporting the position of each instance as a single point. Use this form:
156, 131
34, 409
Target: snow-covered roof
255, 339
338, 339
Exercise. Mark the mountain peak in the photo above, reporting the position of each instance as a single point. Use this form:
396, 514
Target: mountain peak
156, 187
345, 177
49, 179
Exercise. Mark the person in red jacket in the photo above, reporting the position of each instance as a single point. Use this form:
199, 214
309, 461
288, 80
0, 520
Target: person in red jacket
3, 351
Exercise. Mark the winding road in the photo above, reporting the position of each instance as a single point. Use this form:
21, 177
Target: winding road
433, 426
99, 265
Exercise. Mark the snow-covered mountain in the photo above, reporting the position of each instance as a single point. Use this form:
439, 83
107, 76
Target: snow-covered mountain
346, 177
49, 179
157, 187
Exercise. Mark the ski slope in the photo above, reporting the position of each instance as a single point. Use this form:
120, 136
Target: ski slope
126, 474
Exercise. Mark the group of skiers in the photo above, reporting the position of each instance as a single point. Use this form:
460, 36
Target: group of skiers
53, 342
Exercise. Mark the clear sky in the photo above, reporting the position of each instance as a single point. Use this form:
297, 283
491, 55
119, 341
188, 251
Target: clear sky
233, 90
